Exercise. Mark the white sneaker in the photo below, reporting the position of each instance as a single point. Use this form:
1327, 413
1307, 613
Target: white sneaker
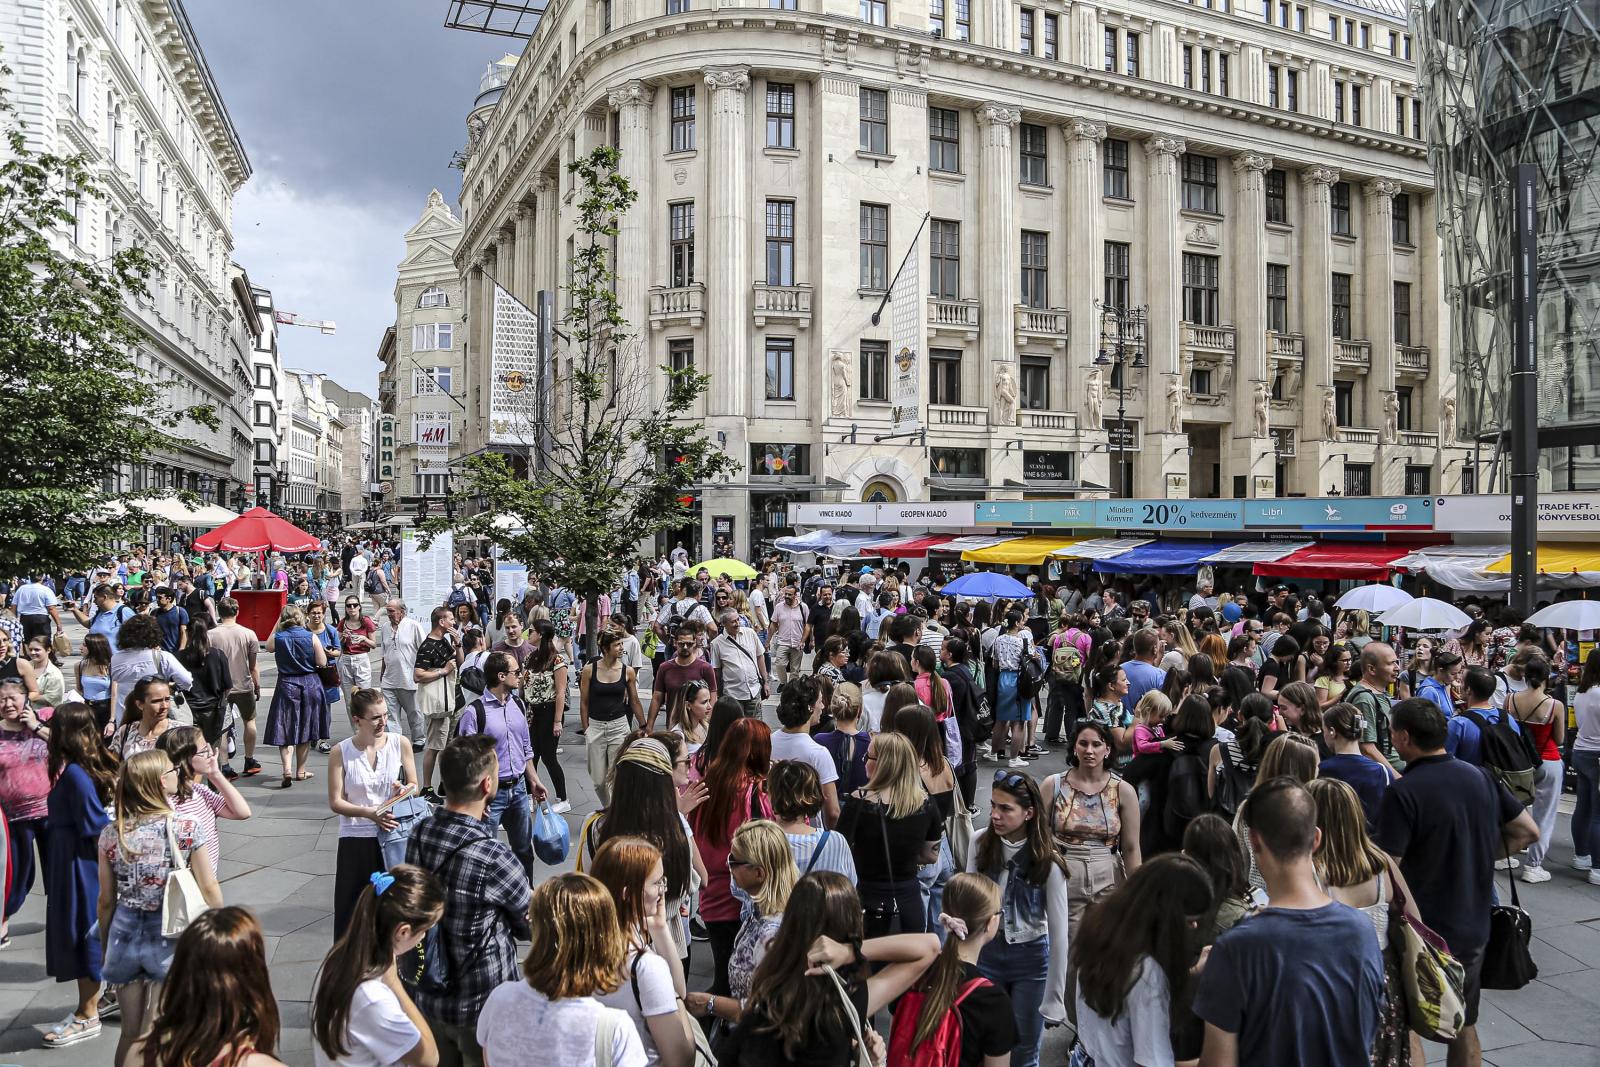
1510, 863
1017, 761
1594, 877
1533, 875
561, 807
1582, 863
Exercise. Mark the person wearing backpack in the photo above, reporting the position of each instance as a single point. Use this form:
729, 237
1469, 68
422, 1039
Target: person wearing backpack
1542, 723
1069, 649
953, 1016
1493, 738
1379, 668
1131, 958
1188, 782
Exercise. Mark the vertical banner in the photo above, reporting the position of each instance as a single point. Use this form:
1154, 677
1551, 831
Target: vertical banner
426, 575
514, 372
905, 346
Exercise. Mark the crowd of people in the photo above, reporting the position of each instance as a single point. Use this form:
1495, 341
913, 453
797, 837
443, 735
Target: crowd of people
1259, 793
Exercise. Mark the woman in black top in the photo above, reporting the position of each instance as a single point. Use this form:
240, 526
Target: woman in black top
208, 696
795, 1014
893, 828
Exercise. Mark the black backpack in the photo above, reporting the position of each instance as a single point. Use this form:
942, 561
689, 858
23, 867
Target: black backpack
1186, 792
1232, 785
1508, 754
427, 967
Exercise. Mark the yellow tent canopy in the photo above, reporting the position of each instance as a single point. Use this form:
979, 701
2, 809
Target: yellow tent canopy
1567, 558
1034, 549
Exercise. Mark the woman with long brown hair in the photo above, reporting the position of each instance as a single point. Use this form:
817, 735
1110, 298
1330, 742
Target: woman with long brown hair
360, 1010
544, 690
217, 1008
736, 784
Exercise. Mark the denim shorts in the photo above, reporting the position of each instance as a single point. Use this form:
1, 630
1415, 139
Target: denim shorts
136, 951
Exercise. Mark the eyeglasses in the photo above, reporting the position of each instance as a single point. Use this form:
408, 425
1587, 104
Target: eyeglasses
660, 883
872, 757
735, 861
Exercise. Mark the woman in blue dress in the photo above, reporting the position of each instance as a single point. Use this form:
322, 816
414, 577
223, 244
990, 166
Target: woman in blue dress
299, 715
83, 772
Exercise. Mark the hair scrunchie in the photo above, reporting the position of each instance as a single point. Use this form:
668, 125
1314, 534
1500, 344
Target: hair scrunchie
956, 926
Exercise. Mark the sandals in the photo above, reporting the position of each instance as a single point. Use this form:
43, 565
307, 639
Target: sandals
304, 776
70, 1031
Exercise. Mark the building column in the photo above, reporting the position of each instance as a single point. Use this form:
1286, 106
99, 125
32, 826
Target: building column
726, 268
476, 341
547, 238
1163, 387
1251, 450
632, 103
1316, 443
1085, 247
1432, 326
526, 254
1378, 315
507, 257
999, 252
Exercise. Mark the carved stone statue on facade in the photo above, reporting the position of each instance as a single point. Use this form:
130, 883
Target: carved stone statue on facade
1094, 396
1261, 401
1005, 395
1447, 421
839, 384
1330, 416
1391, 418
1175, 404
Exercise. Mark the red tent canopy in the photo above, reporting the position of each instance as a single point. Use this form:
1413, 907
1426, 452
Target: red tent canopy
257, 530
1363, 560
915, 546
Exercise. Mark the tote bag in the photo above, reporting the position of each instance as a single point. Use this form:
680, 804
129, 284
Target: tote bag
1433, 981
181, 901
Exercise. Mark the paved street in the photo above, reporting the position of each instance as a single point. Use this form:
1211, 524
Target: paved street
280, 864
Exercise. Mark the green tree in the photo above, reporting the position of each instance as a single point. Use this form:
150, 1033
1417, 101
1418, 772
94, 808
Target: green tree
615, 464
76, 408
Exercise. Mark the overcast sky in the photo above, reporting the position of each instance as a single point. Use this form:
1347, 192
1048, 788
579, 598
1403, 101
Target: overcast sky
349, 111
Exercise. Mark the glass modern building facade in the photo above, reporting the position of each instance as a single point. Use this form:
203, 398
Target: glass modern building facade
1509, 83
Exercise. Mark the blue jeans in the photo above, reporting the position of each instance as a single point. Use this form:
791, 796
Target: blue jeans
136, 951
76, 587
1586, 812
511, 808
1020, 970
932, 878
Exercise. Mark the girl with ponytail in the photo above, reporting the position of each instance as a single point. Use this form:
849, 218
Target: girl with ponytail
988, 1032
360, 1012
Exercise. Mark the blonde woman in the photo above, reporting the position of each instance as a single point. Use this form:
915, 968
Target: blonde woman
1287, 755
143, 844
1359, 874
299, 715
762, 867
894, 829
1180, 645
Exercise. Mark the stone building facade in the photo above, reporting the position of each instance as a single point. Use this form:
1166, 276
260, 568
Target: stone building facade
1252, 178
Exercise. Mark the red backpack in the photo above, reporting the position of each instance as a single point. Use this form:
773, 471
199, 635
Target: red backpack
943, 1047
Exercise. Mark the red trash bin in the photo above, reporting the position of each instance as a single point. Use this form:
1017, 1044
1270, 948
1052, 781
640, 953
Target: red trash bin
259, 609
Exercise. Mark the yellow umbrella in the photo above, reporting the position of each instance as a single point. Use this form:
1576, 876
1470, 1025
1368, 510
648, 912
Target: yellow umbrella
726, 568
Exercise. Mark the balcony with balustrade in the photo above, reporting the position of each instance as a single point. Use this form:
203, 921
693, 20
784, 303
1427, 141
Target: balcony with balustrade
1352, 355
955, 415
677, 305
1064, 421
1419, 438
1207, 340
783, 303
954, 318
1358, 435
1041, 325
1413, 361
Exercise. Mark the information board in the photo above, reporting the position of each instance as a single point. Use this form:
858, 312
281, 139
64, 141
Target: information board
426, 575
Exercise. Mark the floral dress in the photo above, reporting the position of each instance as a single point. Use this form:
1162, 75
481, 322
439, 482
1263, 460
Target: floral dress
1113, 716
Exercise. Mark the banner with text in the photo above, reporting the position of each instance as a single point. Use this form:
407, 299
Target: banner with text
905, 348
513, 372
1577, 512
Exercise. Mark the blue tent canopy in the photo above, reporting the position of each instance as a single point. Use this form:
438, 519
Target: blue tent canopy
1161, 557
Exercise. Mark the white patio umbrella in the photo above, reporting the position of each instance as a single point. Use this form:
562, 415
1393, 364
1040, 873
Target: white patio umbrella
1426, 613
1374, 598
1568, 615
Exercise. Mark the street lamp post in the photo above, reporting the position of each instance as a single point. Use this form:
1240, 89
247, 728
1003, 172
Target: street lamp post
1121, 328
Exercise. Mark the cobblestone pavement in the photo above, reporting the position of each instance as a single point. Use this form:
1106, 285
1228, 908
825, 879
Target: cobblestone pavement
280, 864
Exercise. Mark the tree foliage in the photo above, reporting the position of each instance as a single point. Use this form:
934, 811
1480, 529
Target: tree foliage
76, 408
619, 464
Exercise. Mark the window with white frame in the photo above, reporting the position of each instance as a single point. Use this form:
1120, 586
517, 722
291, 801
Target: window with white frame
433, 297
430, 381
431, 336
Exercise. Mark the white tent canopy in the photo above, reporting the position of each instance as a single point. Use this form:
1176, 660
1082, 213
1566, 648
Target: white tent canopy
172, 510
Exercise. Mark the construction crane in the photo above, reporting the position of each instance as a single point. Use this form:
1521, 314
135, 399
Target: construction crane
289, 318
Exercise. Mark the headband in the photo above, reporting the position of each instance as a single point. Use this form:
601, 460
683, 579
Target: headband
650, 754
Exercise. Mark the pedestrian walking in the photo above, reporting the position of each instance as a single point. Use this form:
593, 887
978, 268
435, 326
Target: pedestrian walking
203, 792
544, 688
608, 702
435, 675
139, 656
358, 635
241, 647
499, 715
299, 712
212, 682
796, 793
24, 793
92, 676
366, 772
400, 640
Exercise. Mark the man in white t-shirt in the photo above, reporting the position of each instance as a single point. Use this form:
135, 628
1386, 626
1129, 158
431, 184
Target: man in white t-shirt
799, 707
358, 570
675, 612
736, 656
401, 638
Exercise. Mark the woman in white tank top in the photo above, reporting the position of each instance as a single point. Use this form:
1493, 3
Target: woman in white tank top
364, 771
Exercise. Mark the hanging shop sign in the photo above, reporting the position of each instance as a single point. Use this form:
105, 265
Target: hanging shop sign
1579, 512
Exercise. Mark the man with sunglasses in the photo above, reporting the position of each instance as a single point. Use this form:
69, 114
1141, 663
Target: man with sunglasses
686, 667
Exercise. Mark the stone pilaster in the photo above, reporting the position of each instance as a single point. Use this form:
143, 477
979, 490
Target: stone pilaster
1316, 301
527, 253
726, 267
547, 239
1164, 386
632, 103
1085, 249
1251, 450
507, 254
998, 238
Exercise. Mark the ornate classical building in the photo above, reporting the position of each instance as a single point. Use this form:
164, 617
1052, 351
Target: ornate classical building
1248, 181
125, 82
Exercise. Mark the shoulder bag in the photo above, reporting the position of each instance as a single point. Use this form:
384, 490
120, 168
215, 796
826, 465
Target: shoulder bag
884, 911
181, 901
1507, 961
1433, 981
863, 1056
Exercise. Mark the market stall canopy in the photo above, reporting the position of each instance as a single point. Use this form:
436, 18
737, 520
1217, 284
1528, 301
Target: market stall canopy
971, 541
828, 542
1354, 560
1023, 551
1568, 615
258, 530
987, 584
1426, 613
1373, 598
725, 568
1574, 558
173, 510
1161, 557
1458, 566
912, 546
1247, 552
1102, 547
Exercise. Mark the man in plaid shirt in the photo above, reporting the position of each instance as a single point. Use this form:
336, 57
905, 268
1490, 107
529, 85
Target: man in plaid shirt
486, 896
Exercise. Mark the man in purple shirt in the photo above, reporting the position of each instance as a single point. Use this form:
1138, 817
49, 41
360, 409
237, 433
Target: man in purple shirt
1143, 674
499, 715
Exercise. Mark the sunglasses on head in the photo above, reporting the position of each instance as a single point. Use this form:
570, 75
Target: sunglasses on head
1010, 781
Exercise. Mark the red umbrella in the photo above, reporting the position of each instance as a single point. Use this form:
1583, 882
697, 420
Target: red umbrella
257, 530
